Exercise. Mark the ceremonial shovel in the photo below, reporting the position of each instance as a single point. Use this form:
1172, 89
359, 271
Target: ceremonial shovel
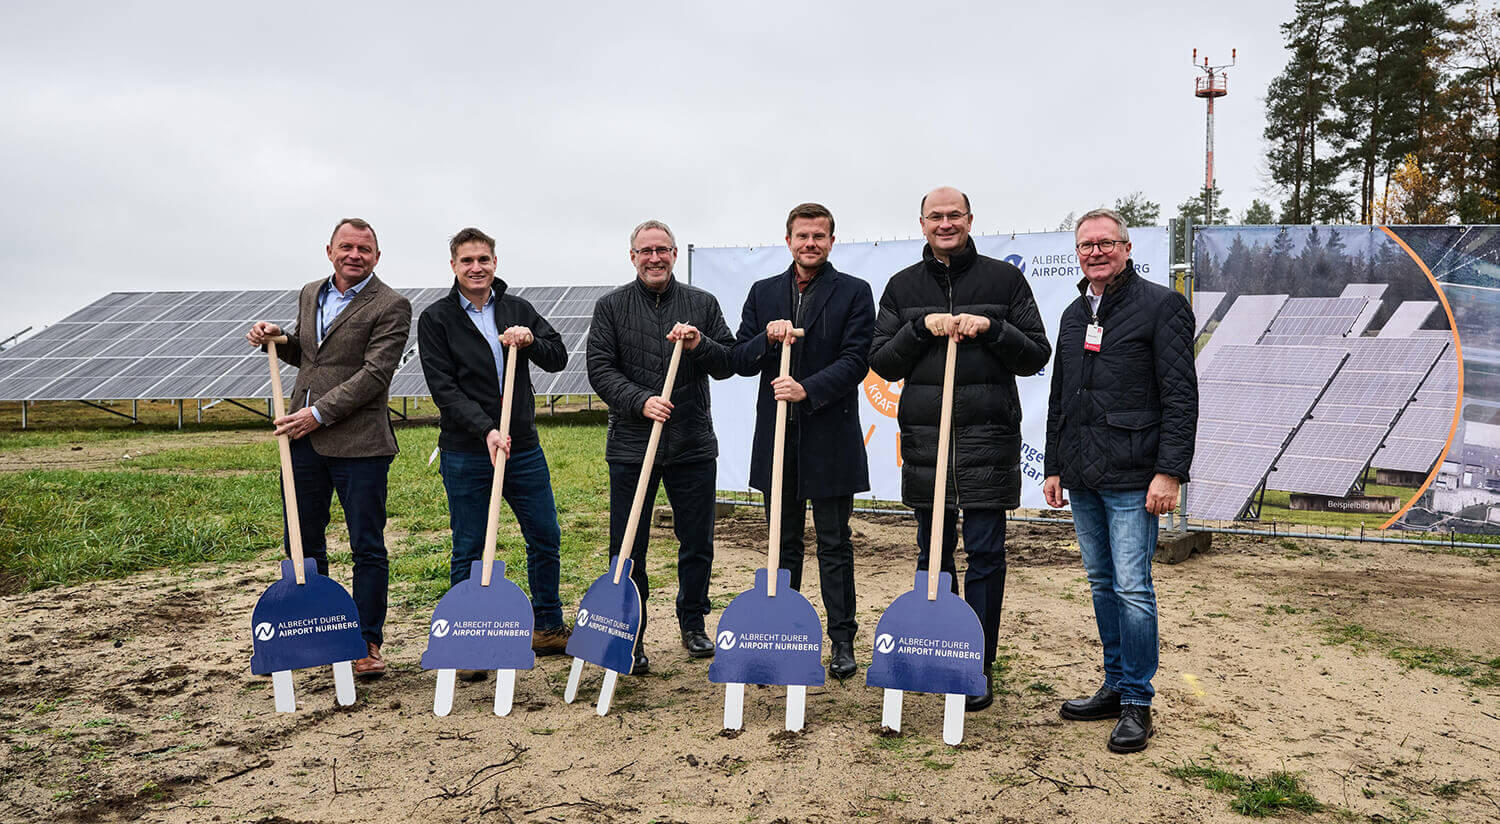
770, 634
483, 623
609, 616
928, 639
305, 619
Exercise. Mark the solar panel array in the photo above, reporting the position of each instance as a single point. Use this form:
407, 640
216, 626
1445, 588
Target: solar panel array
1245, 322
144, 345
1407, 318
1330, 452
1373, 292
1312, 321
1205, 304
1251, 400
1421, 432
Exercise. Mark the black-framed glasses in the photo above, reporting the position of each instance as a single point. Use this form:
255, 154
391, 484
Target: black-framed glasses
1105, 246
939, 217
661, 251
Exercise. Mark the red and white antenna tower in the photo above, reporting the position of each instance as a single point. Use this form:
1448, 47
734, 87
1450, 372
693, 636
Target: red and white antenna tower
1211, 85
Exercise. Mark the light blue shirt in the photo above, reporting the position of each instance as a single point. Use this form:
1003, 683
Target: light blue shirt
330, 303
484, 321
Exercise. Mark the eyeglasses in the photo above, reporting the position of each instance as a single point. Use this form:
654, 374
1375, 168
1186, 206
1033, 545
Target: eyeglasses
1105, 246
951, 217
661, 251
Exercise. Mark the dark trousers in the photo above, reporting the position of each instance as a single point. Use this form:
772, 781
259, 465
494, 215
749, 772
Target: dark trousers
984, 579
690, 491
835, 551
361, 487
467, 477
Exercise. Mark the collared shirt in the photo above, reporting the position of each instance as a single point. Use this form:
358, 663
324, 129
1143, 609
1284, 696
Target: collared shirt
1093, 300
330, 303
483, 318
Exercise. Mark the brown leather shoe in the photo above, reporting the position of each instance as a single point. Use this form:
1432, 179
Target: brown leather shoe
550, 641
372, 665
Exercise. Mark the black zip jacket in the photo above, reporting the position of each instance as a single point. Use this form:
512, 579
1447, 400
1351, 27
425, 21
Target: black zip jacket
628, 354
1119, 416
460, 370
985, 448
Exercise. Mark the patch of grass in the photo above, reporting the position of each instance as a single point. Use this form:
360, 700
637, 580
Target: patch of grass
1454, 663
934, 764
1453, 789
1275, 794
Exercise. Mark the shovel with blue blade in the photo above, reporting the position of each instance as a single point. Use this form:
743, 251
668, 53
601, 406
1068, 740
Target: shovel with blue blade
484, 622
609, 615
305, 619
928, 639
770, 634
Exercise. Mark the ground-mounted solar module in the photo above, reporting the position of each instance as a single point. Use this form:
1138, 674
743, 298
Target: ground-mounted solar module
1407, 318
1329, 454
1205, 304
1251, 401
175, 345
1422, 431
1244, 323
1373, 292
1313, 321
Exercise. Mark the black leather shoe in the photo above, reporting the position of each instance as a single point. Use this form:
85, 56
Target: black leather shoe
697, 643
642, 665
1133, 729
975, 703
1103, 704
841, 662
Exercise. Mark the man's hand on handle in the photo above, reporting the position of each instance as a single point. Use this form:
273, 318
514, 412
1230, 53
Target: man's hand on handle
262, 331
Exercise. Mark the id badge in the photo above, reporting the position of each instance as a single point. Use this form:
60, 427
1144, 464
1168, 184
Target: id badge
1092, 337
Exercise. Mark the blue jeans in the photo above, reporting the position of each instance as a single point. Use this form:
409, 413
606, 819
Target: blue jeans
984, 578
1117, 537
361, 487
528, 491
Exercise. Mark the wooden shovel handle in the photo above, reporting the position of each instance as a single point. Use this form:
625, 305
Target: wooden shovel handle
940, 486
284, 444
492, 526
778, 471
646, 463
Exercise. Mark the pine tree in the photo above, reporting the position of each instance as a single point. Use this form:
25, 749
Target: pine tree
1137, 210
1303, 144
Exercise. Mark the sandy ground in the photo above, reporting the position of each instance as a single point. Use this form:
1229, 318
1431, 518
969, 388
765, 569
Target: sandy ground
132, 700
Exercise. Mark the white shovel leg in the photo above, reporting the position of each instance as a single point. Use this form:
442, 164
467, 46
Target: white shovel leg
734, 706
574, 674
796, 706
606, 691
442, 695
281, 685
953, 719
890, 710
505, 691
343, 682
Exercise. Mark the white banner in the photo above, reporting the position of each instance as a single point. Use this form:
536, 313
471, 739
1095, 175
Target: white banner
1046, 258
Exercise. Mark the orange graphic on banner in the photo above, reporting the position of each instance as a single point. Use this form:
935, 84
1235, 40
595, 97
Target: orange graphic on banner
882, 394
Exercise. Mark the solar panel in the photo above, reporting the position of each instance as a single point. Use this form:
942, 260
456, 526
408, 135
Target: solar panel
1312, 321
1252, 399
1407, 318
1205, 304
1244, 323
1331, 451
1421, 433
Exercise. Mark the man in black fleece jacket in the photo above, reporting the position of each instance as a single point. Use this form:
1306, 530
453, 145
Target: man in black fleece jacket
462, 340
985, 303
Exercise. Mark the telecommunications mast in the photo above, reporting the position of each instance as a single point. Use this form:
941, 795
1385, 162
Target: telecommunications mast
1210, 86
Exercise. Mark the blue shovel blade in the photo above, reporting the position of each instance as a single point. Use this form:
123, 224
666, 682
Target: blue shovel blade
609, 621
765, 640
481, 628
312, 625
929, 646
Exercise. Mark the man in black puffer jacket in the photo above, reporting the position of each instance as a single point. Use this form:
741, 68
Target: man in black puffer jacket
630, 345
986, 303
1121, 421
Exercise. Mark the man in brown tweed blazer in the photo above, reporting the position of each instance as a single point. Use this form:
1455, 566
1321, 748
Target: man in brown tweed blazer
350, 333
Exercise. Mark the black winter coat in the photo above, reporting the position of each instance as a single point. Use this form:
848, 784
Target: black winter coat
628, 354
1119, 416
985, 456
831, 362
460, 370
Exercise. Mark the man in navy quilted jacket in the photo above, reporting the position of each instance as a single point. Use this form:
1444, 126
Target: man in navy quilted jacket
1121, 421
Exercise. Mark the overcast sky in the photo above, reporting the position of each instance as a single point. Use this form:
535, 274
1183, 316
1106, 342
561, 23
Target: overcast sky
156, 146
